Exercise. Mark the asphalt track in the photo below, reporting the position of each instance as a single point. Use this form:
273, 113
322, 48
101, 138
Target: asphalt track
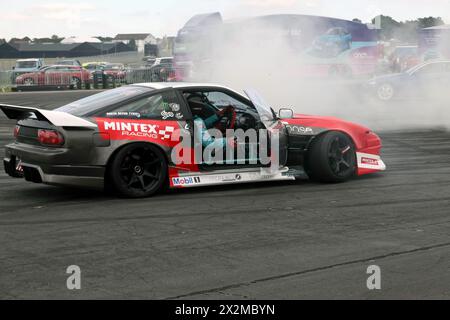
290, 240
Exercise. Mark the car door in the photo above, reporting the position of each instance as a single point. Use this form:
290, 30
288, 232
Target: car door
248, 150
153, 117
205, 104
50, 77
276, 129
66, 74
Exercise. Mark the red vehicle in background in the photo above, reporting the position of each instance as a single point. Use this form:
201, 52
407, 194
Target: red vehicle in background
57, 76
115, 71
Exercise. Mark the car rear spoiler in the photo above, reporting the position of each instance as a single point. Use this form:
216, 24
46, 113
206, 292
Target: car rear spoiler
57, 118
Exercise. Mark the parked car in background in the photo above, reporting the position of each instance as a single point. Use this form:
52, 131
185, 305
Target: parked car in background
25, 66
114, 71
154, 73
163, 61
93, 66
69, 62
429, 80
56, 76
333, 42
149, 60
96, 70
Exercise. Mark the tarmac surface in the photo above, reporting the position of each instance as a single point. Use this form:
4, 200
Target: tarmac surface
280, 240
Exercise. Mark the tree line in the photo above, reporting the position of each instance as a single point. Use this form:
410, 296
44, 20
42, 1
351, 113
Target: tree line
404, 31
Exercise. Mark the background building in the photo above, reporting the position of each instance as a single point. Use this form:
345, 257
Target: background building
136, 40
59, 50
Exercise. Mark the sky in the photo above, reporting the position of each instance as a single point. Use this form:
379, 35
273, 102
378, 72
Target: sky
43, 18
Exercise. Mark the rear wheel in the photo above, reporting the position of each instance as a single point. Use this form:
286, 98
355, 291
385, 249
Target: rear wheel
138, 170
331, 158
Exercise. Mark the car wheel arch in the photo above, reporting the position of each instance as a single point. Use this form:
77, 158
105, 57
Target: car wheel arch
316, 137
117, 150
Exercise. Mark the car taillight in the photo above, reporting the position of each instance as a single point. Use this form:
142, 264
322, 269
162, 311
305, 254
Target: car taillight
50, 137
16, 131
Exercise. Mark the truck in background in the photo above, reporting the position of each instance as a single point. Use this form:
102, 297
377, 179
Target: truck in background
26, 66
326, 46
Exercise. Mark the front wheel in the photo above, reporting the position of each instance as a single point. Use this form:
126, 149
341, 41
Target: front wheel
331, 158
138, 170
385, 92
28, 82
75, 83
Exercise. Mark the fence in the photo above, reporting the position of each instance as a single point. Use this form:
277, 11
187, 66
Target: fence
69, 78
121, 57
5, 80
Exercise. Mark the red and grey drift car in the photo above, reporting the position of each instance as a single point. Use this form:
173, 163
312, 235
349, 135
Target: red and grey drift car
141, 138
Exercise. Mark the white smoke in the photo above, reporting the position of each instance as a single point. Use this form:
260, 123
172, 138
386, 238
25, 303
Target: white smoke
264, 57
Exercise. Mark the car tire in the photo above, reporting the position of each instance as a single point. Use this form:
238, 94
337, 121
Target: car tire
331, 158
138, 170
112, 80
385, 92
75, 83
28, 82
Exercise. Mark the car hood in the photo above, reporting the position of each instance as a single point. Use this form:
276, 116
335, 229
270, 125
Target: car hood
314, 125
324, 122
389, 77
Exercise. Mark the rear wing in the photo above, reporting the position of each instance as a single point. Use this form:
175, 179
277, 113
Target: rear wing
57, 118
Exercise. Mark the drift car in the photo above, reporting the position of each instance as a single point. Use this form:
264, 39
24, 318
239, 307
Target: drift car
124, 138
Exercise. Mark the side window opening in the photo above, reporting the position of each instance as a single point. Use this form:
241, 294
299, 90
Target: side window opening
213, 106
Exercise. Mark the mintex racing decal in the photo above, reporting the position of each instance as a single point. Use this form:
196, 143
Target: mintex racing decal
148, 130
370, 161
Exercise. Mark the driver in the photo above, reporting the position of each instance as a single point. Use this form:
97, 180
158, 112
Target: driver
202, 125
201, 130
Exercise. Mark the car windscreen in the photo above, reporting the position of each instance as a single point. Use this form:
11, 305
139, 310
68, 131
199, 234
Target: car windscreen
65, 63
265, 112
25, 64
113, 67
89, 105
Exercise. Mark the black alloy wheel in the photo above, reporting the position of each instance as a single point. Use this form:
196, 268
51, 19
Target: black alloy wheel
139, 170
331, 158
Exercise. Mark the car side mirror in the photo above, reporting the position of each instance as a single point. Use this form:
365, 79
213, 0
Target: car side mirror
286, 113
